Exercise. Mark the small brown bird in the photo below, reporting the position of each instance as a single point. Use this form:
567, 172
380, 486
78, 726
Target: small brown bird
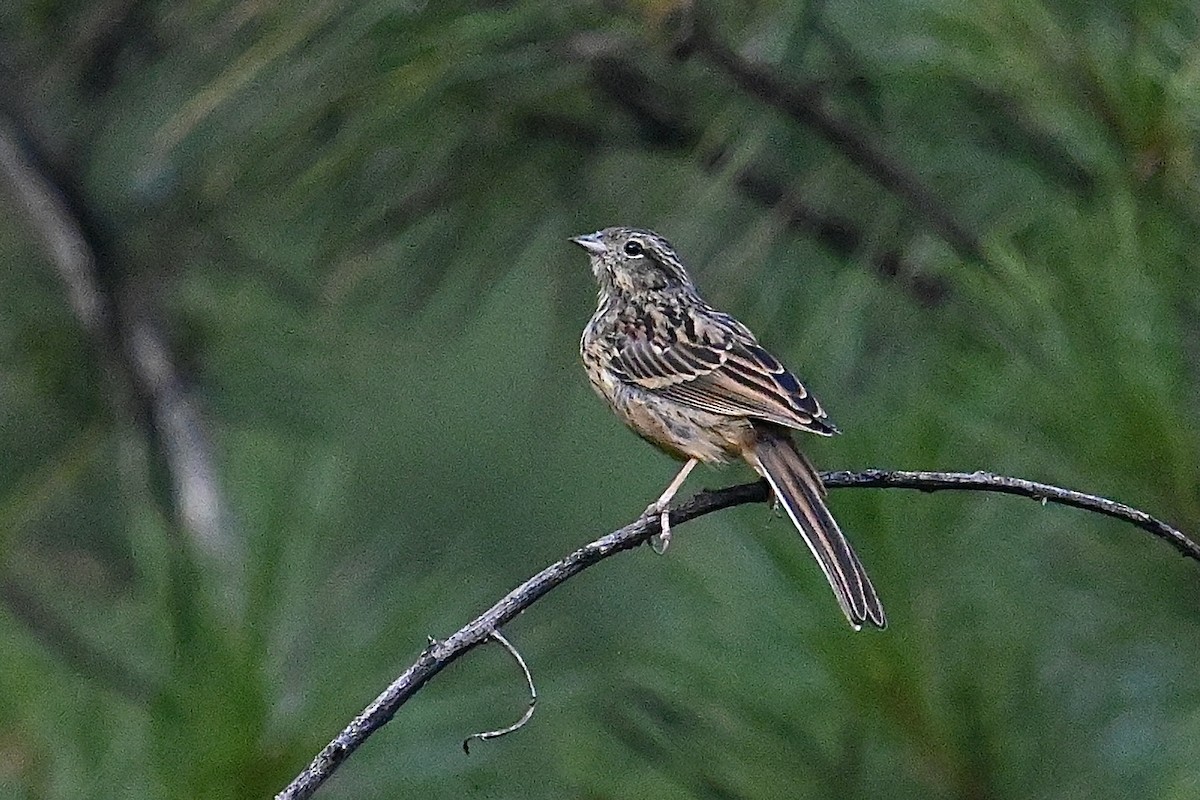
694, 382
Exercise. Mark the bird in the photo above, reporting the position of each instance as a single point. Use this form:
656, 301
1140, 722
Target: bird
696, 383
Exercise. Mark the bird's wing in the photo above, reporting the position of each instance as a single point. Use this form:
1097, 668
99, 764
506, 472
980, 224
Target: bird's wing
709, 361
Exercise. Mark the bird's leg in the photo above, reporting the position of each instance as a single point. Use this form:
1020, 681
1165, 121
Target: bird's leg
659, 508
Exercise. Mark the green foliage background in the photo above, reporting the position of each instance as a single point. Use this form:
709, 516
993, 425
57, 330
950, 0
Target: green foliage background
351, 218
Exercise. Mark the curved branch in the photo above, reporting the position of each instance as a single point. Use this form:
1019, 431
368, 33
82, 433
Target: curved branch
439, 654
1002, 484
528, 715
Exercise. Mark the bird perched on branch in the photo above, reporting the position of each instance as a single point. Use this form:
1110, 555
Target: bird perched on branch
695, 382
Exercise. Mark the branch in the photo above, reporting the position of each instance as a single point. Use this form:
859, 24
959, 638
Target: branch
1002, 484
440, 654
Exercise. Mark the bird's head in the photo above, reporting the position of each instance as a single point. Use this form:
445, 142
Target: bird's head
630, 261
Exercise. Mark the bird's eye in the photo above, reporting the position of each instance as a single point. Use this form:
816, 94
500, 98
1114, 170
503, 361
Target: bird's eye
633, 248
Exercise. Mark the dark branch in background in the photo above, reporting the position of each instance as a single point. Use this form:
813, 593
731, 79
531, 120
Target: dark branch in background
62, 639
347, 255
662, 119
1009, 129
839, 235
109, 32
809, 105
439, 654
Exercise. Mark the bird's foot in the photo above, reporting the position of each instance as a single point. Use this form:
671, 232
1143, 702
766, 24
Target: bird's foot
661, 540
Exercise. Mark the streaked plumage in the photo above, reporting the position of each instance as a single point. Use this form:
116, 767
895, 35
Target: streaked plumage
696, 383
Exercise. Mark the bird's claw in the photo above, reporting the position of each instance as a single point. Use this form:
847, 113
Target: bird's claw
661, 540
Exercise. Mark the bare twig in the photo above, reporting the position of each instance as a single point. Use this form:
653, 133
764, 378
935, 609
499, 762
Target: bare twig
439, 654
516, 726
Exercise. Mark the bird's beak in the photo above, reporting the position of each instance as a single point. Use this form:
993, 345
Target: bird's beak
590, 242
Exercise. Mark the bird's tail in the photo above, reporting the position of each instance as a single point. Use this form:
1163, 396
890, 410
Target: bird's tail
799, 489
